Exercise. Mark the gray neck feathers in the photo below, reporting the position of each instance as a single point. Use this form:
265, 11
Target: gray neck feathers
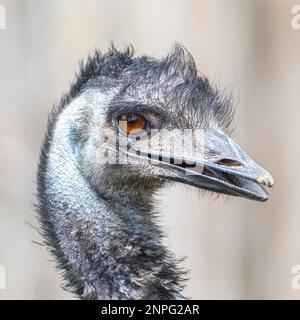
106, 240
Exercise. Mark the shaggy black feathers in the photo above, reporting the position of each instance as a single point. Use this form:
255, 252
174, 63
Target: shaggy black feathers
106, 247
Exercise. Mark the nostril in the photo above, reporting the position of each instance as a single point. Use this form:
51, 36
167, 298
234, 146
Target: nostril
228, 162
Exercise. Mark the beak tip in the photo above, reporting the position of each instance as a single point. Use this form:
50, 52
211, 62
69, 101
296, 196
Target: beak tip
266, 180
265, 199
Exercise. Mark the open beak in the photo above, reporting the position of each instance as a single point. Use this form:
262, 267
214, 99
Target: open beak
219, 165
224, 167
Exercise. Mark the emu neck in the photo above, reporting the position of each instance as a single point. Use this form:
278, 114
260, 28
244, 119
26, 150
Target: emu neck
106, 241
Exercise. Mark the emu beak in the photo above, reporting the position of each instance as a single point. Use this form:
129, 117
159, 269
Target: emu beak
222, 166
217, 163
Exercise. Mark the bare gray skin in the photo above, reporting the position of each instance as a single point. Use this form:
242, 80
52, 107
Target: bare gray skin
98, 217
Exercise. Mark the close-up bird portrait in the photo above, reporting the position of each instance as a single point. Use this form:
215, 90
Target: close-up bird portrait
97, 216
149, 151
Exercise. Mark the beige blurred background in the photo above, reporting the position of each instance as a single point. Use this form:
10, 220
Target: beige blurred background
235, 248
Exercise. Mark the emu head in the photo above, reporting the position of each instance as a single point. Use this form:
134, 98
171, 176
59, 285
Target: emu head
142, 122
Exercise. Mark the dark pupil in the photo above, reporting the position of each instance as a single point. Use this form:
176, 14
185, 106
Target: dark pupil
131, 119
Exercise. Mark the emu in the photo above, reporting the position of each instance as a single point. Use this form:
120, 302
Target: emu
97, 213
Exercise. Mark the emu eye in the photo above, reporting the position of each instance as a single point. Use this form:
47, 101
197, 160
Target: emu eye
132, 123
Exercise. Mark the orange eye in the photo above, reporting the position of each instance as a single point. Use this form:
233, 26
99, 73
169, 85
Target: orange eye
132, 123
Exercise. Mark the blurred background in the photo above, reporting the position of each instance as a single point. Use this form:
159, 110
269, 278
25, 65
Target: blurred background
235, 248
